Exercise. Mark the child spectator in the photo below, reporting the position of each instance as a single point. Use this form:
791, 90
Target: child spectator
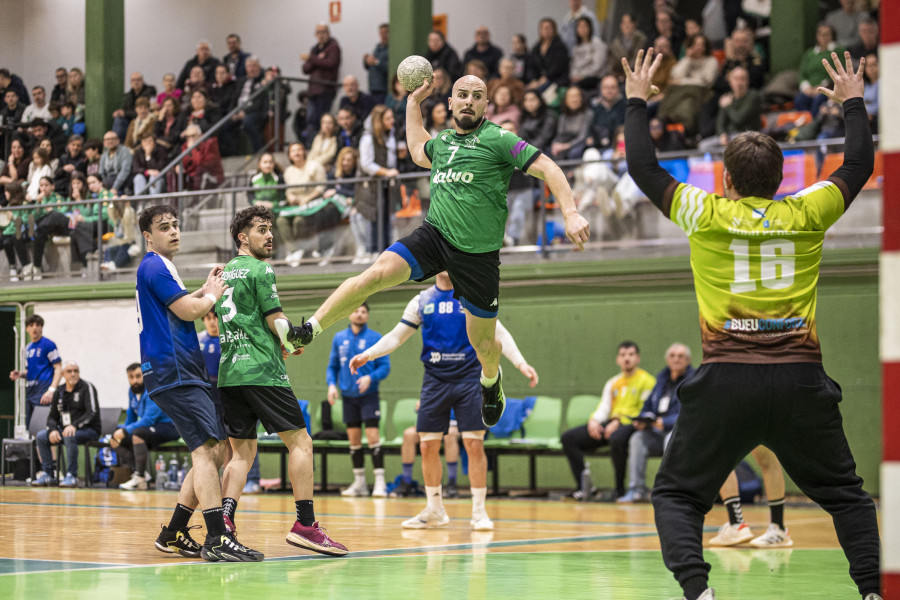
13, 237
120, 247
268, 175
39, 167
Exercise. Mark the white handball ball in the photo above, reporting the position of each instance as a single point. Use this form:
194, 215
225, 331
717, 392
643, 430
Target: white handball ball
413, 71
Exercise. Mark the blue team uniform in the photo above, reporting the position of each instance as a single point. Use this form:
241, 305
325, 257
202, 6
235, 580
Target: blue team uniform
452, 372
41, 356
211, 350
357, 407
173, 367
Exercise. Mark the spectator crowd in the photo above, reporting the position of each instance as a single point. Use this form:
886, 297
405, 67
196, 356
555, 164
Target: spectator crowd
562, 92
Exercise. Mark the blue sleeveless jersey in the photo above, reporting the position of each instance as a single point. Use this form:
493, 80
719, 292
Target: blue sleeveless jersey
446, 351
170, 351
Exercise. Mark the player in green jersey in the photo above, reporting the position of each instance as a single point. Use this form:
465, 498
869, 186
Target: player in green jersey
756, 266
253, 382
471, 165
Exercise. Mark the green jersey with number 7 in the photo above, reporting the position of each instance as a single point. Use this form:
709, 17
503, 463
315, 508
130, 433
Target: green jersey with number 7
756, 265
251, 354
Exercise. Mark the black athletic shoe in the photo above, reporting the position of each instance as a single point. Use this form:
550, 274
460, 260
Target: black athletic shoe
493, 402
301, 335
450, 490
226, 548
180, 541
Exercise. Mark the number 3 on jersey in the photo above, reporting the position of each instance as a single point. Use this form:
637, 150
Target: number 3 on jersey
228, 304
775, 269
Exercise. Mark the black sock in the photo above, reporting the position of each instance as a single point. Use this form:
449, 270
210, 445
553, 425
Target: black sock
377, 457
181, 517
694, 587
735, 514
356, 457
215, 523
140, 458
229, 507
305, 512
776, 508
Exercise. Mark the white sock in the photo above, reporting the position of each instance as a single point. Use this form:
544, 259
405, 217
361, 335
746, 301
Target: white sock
360, 476
478, 496
433, 497
379, 476
489, 381
317, 329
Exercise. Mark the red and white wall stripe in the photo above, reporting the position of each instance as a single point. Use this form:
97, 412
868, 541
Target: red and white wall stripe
889, 116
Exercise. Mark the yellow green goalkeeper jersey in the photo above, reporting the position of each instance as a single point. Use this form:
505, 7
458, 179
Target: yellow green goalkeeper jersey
756, 266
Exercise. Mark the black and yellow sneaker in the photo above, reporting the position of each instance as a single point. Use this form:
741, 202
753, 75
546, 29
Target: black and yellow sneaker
226, 548
493, 402
178, 541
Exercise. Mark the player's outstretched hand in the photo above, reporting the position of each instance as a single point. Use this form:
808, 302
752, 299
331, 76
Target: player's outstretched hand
577, 230
214, 286
529, 372
847, 84
639, 83
422, 92
357, 361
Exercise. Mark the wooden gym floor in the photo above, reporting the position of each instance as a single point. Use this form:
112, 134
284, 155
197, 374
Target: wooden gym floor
99, 544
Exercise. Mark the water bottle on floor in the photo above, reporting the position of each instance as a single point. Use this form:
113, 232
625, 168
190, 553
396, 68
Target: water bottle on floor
173, 474
586, 483
161, 476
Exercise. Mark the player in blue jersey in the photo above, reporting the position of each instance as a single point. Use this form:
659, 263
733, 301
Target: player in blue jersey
452, 382
43, 369
360, 399
176, 380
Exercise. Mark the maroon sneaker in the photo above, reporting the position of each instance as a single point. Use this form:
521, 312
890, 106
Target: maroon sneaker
314, 538
229, 524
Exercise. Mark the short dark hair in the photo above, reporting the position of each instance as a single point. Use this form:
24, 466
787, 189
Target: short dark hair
625, 345
142, 101
38, 87
755, 163
132, 367
34, 320
4, 73
93, 144
233, 35
365, 305
243, 219
145, 221
590, 28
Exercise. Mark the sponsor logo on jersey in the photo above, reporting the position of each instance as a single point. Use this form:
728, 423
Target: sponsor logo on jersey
239, 358
233, 336
470, 142
752, 325
494, 303
235, 274
429, 308
362, 344
759, 213
269, 271
451, 176
435, 357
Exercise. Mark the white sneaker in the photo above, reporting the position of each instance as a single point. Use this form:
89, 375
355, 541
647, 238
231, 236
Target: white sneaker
13, 275
709, 594
108, 266
37, 274
481, 521
731, 535
356, 489
27, 272
774, 537
135, 483
427, 520
873, 597
293, 259
380, 489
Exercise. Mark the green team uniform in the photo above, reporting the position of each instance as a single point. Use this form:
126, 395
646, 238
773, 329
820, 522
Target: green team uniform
469, 183
756, 266
251, 354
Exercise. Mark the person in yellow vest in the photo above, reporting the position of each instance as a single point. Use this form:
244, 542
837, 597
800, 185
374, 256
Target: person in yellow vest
611, 422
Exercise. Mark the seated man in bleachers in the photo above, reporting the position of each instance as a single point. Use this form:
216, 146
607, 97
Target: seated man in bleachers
145, 428
127, 112
452, 382
115, 164
610, 424
655, 422
74, 419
